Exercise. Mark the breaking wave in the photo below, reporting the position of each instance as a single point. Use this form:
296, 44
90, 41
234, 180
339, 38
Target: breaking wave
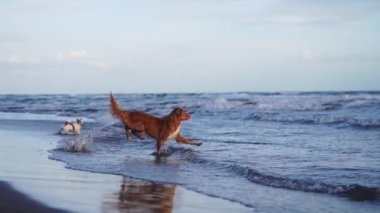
39, 117
316, 119
353, 191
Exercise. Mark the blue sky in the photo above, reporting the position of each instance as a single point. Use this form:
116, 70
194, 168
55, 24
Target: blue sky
89, 46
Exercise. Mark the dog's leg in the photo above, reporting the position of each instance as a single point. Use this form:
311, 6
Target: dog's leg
127, 132
158, 147
181, 139
138, 134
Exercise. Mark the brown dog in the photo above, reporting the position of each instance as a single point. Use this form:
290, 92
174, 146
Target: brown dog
159, 128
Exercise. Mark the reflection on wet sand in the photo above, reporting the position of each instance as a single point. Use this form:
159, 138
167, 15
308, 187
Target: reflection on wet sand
143, 196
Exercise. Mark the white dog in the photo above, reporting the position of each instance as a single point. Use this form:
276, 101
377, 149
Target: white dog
71, 127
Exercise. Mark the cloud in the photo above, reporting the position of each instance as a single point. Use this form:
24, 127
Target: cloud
314, 56
198, 39
37, 6
74, 57
325, 11
11, 38
298, 19
289, 12
82, 56
16, 58
78, 54
309, 55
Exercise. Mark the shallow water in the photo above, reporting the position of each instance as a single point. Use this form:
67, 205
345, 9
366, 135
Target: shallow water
264, 150
24, 163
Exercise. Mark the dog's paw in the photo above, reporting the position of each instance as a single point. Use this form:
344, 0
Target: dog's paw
163, 153
199, 143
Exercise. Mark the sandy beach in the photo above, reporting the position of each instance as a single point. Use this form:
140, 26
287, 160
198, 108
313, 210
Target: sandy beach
32, 181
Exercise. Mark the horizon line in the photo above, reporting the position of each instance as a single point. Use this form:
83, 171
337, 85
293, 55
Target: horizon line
224, 92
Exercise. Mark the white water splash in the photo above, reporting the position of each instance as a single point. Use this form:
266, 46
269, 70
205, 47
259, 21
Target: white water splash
78, 144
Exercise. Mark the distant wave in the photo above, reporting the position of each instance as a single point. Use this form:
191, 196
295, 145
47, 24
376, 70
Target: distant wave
280, 102
316, 119
255, 101
38, 117
56, 110
90, 105
340, 93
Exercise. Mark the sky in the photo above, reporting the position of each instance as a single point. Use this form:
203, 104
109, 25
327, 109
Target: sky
174, 46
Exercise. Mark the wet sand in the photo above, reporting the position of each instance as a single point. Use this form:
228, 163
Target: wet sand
31, 180
14, 201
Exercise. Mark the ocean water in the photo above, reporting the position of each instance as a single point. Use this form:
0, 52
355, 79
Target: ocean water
264, 150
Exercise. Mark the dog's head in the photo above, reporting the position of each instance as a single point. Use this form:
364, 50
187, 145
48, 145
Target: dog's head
79, 121
181, 114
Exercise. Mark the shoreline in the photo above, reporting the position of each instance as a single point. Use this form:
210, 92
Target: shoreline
28, 172
177, 186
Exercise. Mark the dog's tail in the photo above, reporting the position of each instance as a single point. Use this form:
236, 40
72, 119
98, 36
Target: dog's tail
115, 109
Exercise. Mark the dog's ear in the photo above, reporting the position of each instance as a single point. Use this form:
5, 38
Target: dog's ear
181, 114
177, 111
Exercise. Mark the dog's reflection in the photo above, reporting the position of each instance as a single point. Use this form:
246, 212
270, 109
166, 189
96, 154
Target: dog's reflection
142, 196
